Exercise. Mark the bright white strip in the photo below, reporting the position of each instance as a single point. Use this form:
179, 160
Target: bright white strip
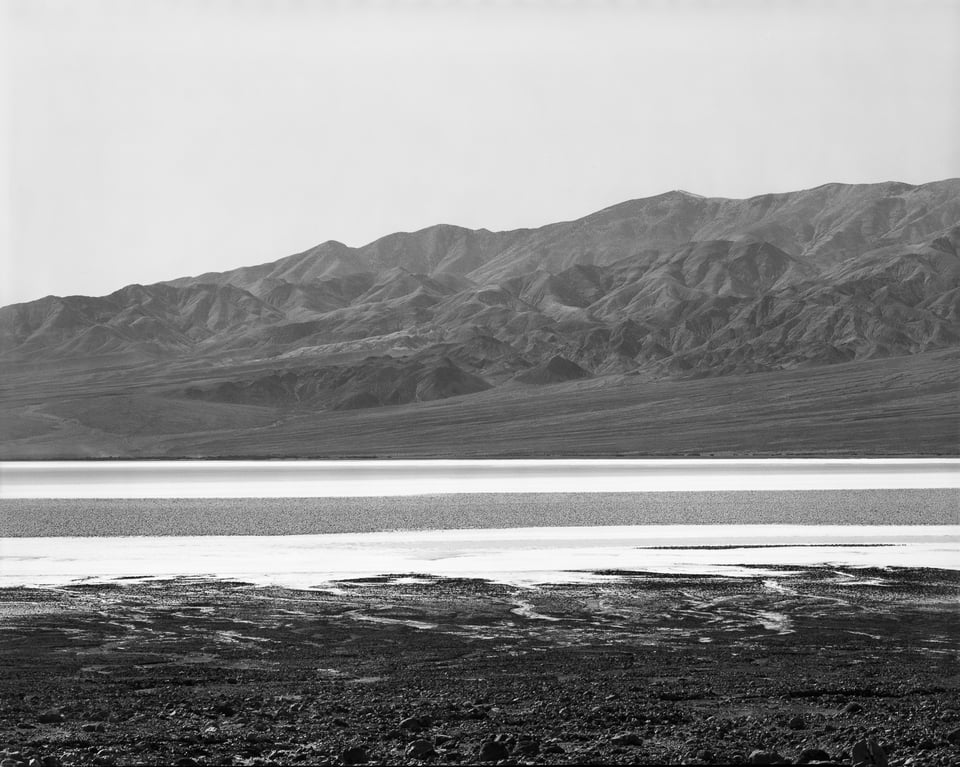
294, 479
515, 555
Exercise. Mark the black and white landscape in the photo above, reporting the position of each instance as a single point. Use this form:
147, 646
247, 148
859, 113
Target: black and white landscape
817, 322
613, 420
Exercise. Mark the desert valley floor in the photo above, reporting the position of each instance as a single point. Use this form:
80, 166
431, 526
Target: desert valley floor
895, 406
812, 664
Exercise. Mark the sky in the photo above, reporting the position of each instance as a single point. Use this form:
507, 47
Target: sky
150, 139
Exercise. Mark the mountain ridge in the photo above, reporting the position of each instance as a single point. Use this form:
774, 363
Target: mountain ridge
946, 187
670, 286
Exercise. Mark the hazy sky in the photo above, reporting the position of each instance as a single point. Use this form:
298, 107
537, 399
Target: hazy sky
150, 139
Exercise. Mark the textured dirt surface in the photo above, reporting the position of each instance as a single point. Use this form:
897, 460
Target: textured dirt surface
901, 406
634, 668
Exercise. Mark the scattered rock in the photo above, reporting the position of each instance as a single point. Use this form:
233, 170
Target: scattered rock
764, 757
813, 755
527, 746
224, 709
868, 754
412, 723
420, 749
355, 755
492, 751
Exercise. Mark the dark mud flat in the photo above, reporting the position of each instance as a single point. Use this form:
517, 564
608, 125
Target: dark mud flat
637, 669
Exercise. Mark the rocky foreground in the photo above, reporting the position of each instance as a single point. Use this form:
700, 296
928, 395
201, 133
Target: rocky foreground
814, 665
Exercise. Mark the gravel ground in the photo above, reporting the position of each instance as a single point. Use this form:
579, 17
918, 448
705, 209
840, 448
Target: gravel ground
849, 666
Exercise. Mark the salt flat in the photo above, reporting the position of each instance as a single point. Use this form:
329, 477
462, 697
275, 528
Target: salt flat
518, 556
291, 479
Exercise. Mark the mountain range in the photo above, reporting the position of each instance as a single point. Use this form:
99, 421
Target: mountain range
666, 288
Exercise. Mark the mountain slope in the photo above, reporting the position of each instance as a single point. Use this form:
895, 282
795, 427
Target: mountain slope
672, 286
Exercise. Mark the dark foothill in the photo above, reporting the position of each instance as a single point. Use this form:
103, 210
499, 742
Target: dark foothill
355, 755
224, 709
554, 748
626, 739
954, 737
796, 723
185, 761
492, 751
809, 755
93, 727
926, 745
852, 708
50, 717
420, 749
51, 761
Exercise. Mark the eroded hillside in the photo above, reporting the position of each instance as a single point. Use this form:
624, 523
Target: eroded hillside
665, 288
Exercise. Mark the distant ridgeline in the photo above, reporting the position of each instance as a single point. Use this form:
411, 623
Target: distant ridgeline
665, 288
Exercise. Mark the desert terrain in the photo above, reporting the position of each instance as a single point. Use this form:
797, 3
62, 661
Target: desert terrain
818, 322
833, 665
